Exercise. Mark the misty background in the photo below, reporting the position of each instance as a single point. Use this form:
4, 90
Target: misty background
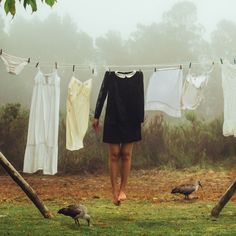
101, 34
177, 37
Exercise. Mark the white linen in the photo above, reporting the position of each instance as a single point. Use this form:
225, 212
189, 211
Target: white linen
229, 91
164, 92
42, 142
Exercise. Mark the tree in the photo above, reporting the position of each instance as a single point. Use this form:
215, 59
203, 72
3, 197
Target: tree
10, 5
178, 37
223, 40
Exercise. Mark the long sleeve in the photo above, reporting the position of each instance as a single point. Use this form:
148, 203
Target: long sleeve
141, 98
102, 96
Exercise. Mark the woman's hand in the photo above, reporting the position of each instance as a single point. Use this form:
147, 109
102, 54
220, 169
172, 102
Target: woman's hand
95, 124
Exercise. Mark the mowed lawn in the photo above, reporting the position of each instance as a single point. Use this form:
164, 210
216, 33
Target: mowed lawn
133, 217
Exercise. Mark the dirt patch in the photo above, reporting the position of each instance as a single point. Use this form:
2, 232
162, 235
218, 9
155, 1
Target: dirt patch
154, 185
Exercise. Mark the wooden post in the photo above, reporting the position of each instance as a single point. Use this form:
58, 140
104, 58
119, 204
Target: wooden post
24, 186
224, 199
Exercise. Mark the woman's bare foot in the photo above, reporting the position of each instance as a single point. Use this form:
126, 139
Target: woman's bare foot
122, 196
115, 199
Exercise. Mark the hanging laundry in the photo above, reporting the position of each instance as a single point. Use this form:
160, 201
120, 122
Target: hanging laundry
78, 105
164, 91
14, 65
42, 142
229, 88
193, 89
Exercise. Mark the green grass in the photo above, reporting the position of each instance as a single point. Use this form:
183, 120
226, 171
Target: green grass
134, 217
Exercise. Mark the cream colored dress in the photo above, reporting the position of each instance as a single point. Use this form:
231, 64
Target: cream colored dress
78, 105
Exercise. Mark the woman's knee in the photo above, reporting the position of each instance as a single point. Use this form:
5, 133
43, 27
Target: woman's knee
114, 156
126, 156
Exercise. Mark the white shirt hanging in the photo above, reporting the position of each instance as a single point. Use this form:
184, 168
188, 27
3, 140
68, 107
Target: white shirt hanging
164, 92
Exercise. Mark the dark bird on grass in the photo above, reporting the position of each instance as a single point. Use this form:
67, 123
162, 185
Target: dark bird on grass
76, 212
187, 189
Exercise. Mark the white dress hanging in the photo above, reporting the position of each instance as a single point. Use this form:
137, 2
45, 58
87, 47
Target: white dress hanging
78, 105
42, 142
229, 88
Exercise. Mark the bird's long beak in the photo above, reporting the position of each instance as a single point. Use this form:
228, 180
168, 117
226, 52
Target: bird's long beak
200, 185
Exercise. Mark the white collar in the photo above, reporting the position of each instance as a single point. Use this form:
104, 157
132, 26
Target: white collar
125, 74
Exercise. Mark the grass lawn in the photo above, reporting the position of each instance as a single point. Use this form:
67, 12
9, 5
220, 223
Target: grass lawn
133, 217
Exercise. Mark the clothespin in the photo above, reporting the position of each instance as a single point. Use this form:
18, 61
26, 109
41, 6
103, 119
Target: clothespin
155, 69
221, 61
28, 60
93, 71
234, 61
56, 65
180, 67
73, 68
213, 63
37, 64
190, 65
1, 52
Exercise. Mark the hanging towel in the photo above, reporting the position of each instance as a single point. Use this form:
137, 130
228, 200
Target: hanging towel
193, 89
229, 92
164, 91
42, 142
14, 65
78, 105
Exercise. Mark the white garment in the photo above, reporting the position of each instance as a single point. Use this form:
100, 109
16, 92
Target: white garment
164, 91
42, 142
78, 105
14, 65
229, 91
193, 88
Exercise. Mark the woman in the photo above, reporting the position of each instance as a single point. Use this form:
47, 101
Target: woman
122, 123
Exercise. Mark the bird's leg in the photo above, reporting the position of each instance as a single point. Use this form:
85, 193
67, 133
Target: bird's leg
187, 197
88, 222
78, 222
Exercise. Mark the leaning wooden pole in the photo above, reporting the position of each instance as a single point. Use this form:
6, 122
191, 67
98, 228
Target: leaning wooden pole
24, 186
224, 199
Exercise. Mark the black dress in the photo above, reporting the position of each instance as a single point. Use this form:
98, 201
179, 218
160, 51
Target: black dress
125, 106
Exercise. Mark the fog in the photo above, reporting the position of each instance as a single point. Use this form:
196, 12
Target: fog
103, 33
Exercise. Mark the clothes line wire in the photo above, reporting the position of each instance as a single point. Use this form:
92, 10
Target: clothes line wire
91, 66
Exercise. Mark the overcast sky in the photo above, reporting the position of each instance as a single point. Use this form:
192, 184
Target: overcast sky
96, 17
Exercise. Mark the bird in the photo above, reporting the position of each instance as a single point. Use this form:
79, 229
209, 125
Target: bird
187, 189
76, 212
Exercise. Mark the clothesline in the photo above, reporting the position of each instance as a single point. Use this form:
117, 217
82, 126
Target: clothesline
93, 66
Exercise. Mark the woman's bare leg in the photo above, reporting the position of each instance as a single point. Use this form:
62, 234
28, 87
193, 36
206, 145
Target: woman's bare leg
114, 156
126, 154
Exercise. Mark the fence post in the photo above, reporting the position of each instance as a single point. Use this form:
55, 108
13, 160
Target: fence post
24, 186
224, 199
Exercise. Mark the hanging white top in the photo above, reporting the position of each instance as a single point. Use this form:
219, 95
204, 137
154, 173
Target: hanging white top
42, 142
193, 89
229, 88
164, 92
